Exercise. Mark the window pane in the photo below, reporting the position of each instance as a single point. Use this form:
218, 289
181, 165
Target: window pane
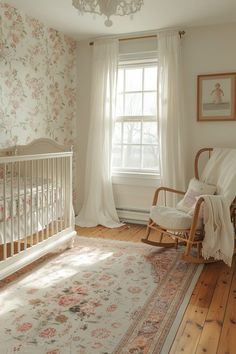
117, 156
150, 79
133, 79
150, 157
119, 105
132, 133
132, 156
117, 133
149, 133
133, 104
150, 104
120, 81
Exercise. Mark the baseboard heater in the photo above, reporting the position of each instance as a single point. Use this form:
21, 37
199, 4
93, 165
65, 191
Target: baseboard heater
134, 216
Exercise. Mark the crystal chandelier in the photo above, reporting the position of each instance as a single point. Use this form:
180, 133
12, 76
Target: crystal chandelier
108, 7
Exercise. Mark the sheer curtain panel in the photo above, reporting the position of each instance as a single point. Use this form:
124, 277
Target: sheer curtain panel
99, 206
171, 136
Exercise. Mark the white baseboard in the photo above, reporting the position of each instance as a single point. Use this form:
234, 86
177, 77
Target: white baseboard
133, 216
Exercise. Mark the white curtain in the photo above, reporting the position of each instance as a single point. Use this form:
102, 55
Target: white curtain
99, 206
170, 107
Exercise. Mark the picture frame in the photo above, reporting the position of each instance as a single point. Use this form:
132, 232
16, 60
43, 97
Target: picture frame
216, 97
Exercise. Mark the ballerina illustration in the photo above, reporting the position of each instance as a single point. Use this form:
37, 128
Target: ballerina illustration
217, 93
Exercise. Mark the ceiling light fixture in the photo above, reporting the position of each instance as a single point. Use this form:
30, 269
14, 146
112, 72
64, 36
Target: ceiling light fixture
108, 8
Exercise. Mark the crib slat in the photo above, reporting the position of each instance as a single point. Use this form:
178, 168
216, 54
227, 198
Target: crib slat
18, 209
25, 204
70, 192
37, 202
4, 213
31, 204
48, 201
66, 206
12, 210
52, 196
64, 190
61, 193
56, 193
42, 210
64, 193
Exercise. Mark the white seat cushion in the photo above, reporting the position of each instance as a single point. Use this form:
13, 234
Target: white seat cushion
171, 218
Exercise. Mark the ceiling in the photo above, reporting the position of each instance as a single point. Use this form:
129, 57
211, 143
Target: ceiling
155, 14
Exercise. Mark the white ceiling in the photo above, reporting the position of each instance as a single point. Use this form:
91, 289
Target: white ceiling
155, 14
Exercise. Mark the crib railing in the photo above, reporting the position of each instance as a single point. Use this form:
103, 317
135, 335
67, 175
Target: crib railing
35, 200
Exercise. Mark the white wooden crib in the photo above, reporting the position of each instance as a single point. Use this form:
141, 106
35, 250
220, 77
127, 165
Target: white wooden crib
36, 212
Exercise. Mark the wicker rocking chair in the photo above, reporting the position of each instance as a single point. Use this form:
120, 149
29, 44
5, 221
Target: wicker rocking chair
185, 229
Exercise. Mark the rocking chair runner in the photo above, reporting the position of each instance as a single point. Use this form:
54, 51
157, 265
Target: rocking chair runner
186, 230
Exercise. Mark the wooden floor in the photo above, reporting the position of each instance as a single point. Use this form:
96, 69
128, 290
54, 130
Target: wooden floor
209, 322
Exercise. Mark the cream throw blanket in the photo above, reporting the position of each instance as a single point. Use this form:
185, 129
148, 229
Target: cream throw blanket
219, 232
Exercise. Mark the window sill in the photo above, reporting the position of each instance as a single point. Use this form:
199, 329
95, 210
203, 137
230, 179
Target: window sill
136, 179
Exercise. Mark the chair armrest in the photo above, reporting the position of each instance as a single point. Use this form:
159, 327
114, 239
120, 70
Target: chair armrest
165, 189
198, 206
196, 213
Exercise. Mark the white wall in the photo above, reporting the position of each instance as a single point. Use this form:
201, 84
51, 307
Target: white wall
207, 50
210, 49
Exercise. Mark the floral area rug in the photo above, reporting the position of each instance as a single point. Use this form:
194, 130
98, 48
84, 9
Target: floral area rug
99, 297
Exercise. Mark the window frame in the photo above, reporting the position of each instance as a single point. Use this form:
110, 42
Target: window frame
136, 173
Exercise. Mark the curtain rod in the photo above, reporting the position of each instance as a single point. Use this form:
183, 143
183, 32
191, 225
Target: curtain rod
181, 33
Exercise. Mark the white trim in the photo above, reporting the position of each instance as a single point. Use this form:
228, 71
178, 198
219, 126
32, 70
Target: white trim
133, 216
136, 118
136, 179
145, 58
20, 260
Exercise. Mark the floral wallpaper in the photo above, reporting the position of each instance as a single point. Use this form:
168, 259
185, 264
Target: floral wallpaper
37, 81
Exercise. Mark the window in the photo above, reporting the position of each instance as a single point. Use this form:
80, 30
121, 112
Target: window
135, 143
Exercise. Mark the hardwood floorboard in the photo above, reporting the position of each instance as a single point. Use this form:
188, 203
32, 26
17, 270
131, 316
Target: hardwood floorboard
192, 324
212, 329
209, 323
227, 343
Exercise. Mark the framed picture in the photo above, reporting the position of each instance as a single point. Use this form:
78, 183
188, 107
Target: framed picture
216, 97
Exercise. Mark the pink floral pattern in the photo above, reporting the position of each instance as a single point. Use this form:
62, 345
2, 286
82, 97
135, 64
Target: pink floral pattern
24, 327
85, 301
38, 81
48, 333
